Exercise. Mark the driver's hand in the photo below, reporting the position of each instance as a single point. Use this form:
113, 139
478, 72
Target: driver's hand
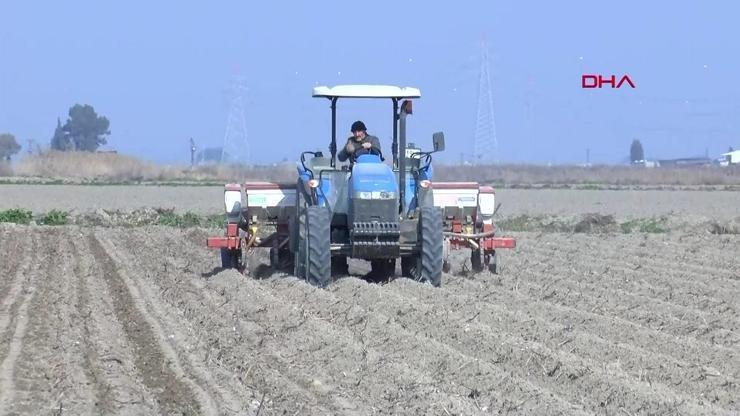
349, 148
367, 145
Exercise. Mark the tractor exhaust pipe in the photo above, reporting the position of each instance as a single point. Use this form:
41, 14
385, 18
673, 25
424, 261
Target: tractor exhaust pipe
405, 110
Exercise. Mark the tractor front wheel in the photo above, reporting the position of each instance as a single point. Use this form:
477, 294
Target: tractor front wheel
427, 265
313, 259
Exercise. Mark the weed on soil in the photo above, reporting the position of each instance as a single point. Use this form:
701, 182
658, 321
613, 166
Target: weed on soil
55, 217
17, 216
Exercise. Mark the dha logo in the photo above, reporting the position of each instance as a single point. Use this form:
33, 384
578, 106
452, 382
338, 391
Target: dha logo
598, 81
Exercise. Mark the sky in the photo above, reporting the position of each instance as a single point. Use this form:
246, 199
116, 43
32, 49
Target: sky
161, 73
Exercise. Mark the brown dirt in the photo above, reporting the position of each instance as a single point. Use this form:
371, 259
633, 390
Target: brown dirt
141, 321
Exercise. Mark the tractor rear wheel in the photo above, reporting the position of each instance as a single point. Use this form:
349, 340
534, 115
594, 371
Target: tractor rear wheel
295, 222
476, 260
492, 261
427, 265
297, 243
230, 258
313, 260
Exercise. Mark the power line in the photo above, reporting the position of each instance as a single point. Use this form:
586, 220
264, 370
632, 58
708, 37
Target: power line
486, 144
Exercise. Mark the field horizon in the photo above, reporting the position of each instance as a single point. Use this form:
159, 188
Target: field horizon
53, 167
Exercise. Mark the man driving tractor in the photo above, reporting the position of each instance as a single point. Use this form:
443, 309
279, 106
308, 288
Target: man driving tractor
359, 143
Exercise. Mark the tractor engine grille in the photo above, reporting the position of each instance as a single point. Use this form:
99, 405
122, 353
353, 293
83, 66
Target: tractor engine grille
372, 240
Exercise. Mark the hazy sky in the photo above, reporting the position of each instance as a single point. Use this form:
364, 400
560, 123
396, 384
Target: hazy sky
160, 71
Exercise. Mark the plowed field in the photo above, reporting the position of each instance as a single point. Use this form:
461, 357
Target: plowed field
142, 321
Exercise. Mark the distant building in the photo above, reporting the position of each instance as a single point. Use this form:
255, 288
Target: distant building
646, 163
730, 158
687, 161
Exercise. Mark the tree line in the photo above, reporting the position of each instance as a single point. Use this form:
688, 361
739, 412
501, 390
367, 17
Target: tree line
84, 130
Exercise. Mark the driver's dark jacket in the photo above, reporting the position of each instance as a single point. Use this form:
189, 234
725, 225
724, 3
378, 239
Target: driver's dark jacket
343, 155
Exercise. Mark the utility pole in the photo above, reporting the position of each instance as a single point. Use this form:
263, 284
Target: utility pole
588, 157
30, 146
192, 152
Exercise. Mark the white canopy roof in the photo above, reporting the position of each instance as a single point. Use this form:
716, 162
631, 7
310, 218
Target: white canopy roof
367, 91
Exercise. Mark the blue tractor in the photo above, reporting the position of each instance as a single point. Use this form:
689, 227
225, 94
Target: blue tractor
370, 210
367, 210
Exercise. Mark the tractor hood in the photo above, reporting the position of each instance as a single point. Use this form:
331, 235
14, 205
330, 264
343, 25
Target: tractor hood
373, 177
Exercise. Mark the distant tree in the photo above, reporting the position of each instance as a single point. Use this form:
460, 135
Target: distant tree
8, 146
636, 152
61, 140
730, 149
84, 130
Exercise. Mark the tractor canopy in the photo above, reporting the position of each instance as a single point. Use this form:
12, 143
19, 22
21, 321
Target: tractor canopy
366, 91
395, 94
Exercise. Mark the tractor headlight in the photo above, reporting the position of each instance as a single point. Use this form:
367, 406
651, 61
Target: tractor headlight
313, 183
425, 184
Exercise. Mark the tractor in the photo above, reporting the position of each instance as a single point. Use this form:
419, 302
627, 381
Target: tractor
369, 209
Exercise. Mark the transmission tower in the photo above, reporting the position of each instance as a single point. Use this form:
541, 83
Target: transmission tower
486, 145
529, 105
236, 144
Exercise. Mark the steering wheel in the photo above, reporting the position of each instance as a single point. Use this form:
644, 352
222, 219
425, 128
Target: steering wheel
370, 151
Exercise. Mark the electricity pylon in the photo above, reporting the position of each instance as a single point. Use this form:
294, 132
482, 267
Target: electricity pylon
236, 144
486, 144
